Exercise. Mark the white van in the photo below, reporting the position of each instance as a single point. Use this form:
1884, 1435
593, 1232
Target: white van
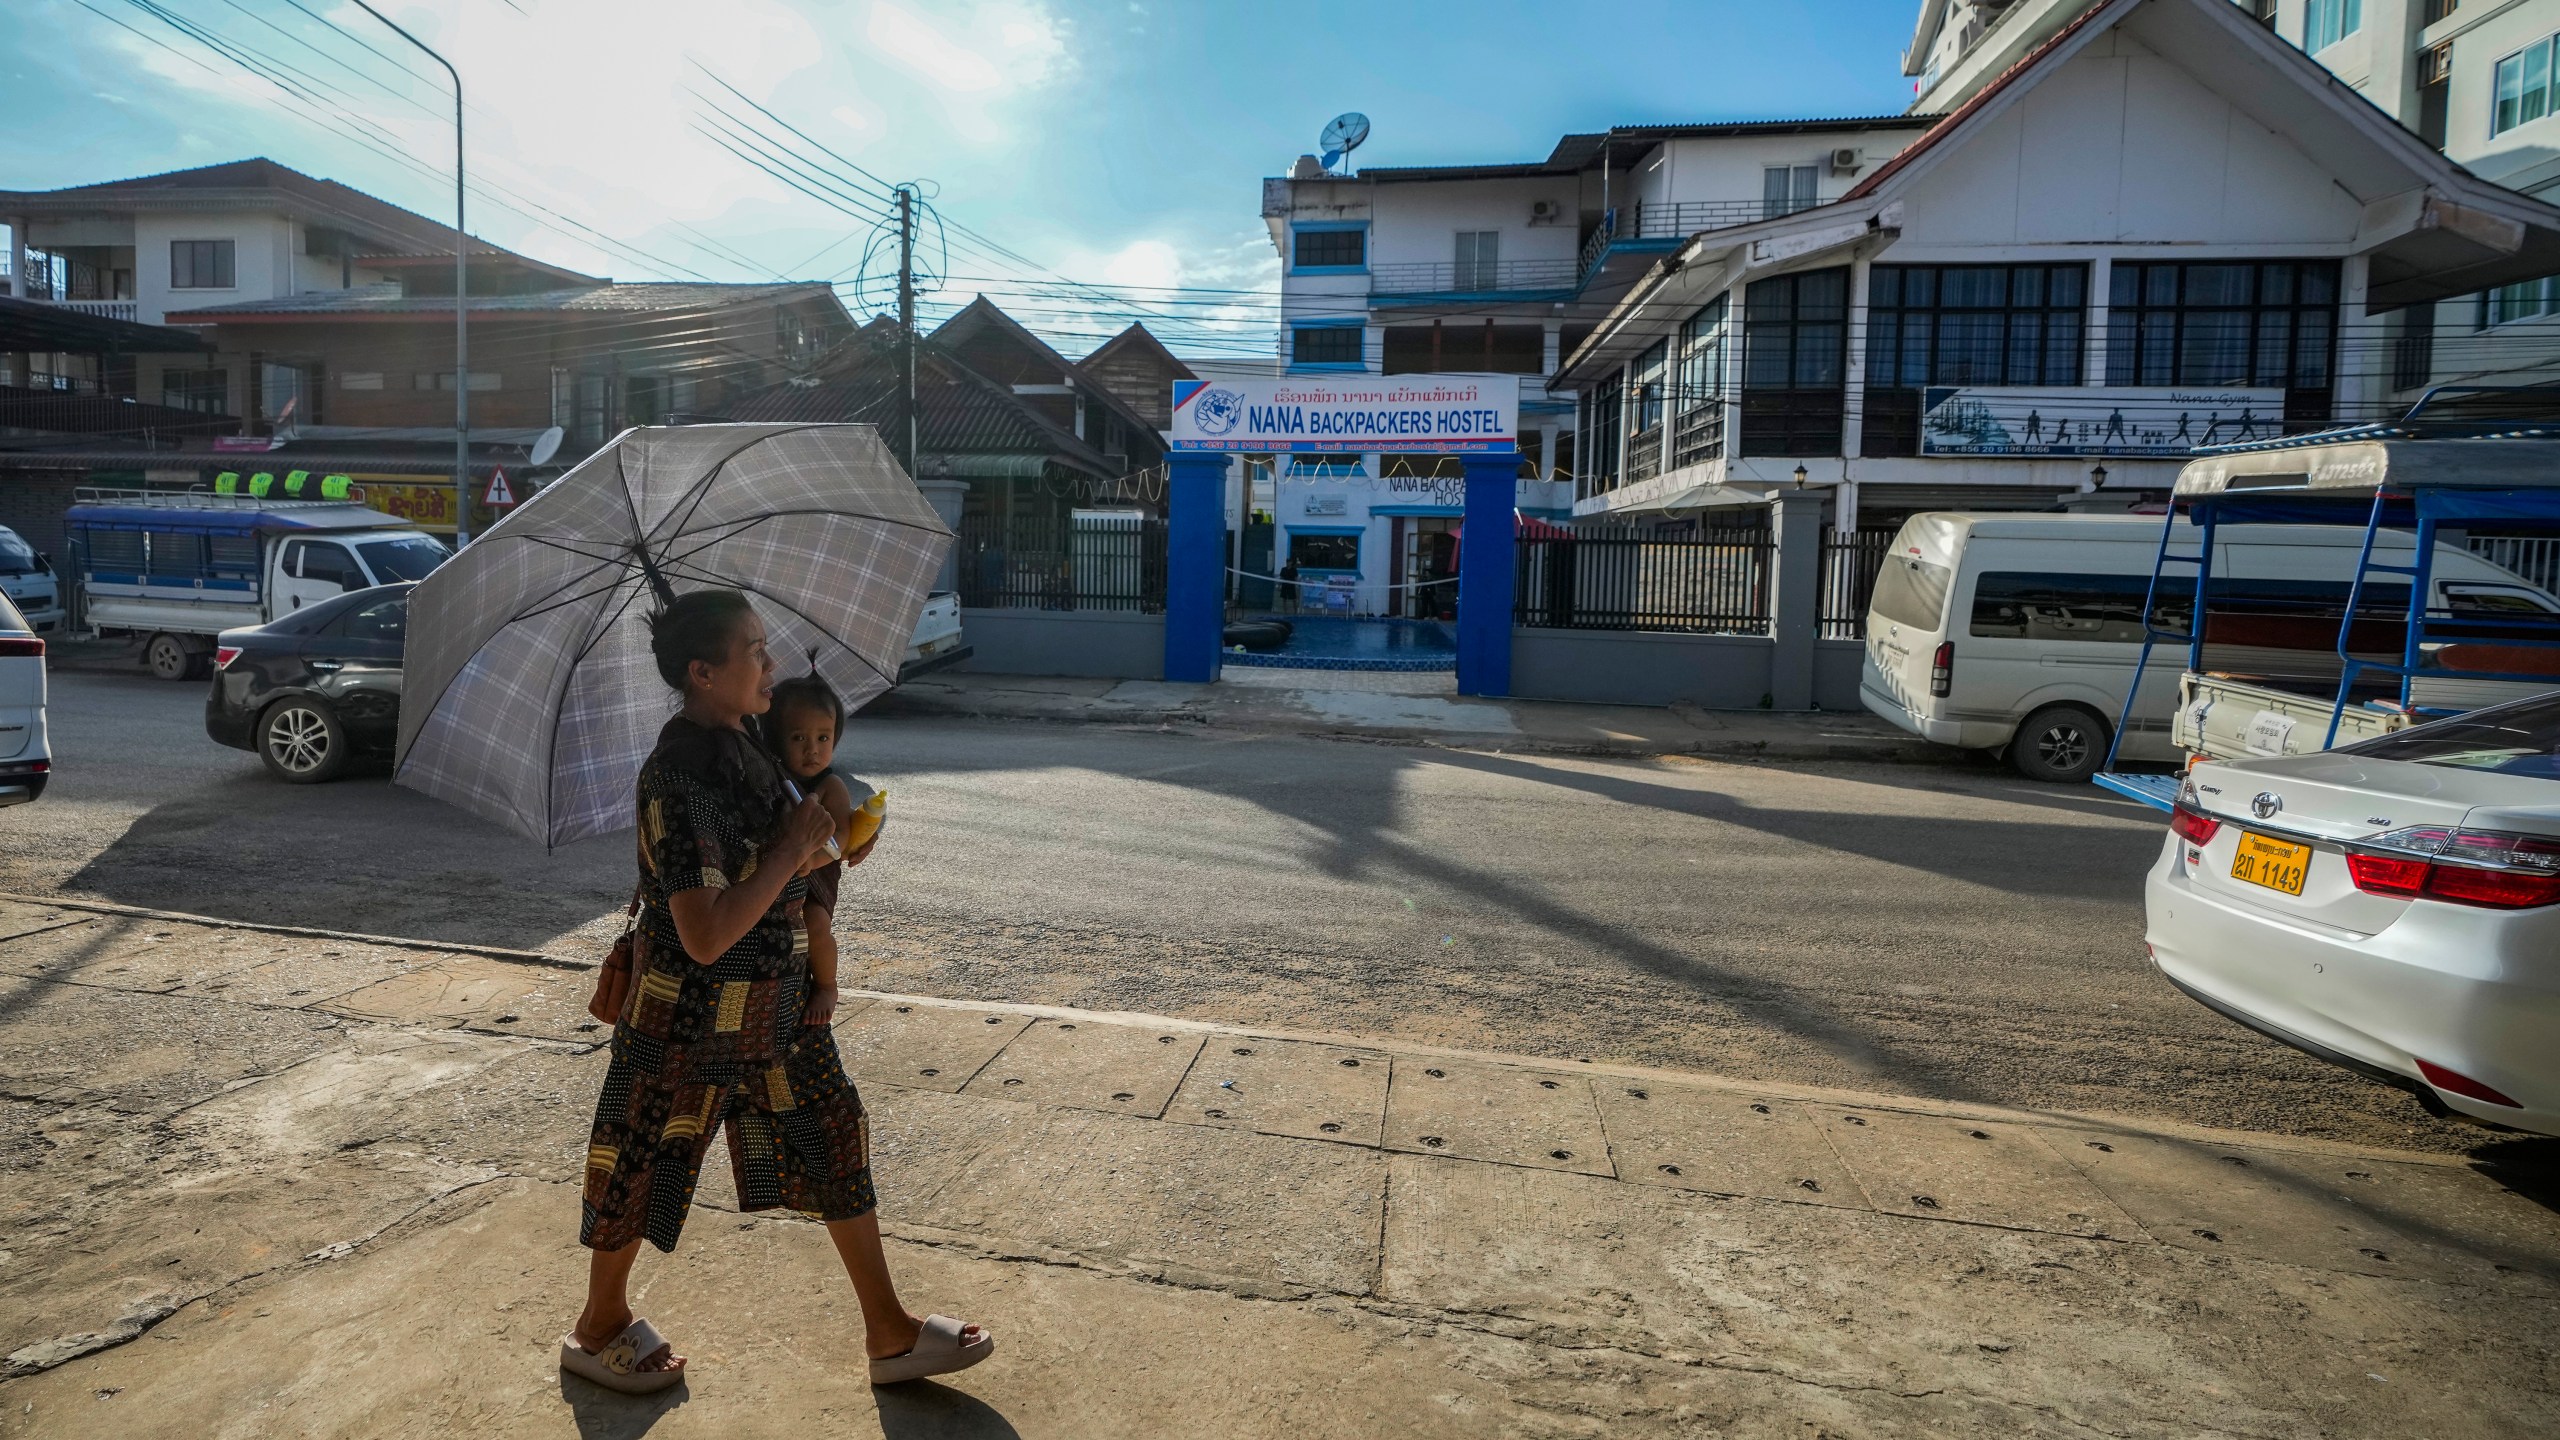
2019, 632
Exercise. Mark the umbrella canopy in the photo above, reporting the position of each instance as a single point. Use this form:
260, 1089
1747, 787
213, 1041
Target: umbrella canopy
529, 695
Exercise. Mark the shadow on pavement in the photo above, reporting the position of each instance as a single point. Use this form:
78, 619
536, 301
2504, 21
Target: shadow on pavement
928, 1410
603, 1415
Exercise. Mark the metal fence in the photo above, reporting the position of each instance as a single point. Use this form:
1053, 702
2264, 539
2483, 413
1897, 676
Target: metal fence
2535, 557
1714, 584
1087, 560
1849, 566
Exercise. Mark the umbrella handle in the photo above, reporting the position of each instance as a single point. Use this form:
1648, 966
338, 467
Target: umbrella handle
658, 585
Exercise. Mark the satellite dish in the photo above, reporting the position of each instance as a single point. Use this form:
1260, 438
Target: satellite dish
546, 445
1343, 136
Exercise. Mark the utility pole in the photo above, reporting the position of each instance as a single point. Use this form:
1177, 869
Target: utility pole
461, 301
907, 322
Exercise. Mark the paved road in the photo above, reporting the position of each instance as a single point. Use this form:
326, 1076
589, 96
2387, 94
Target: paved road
1951, 932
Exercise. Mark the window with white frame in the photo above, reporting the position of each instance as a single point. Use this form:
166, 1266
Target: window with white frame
1479, 254
1645, 410
2326, 22
2522, 90
2524, 300
1786, 189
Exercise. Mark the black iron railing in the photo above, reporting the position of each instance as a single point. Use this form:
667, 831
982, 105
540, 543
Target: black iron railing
1849, 566
1107, 561
1715, 583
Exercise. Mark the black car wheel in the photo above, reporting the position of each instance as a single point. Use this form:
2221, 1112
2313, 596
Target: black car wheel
2059, 744
170, 658
302, 742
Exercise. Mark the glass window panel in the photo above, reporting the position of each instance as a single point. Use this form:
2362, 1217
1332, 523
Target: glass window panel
2026, 285
1884, 348
2319, 283
1969, 349
1818, 356
2510, 91
2537, 84
2124, 286
1917, 332
1768, 357
1823, 295
2067, 283
1775, 186
1920, 288
2062, 346
2275, 284
2159, 331
1808, 186
2275, 347
1973, 287
2026, 349
2311, 349
1770, 300
2121, 351
2220, 284
2213, 348
2159, 284
1884, 286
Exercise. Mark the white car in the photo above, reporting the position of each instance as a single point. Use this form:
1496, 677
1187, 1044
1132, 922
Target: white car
25, 761
2392, 906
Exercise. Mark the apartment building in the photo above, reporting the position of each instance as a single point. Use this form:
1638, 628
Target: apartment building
2161, 226
1502, 269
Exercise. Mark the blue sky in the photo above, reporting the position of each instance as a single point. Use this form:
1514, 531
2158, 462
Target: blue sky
1118, 143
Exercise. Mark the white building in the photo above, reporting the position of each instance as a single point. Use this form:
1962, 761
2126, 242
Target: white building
1501, 269
2476, 79
2150, 231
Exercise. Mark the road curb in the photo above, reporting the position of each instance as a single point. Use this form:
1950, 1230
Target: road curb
355, 937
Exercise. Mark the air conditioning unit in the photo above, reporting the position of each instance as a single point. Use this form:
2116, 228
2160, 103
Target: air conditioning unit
1543, 212
1846, 161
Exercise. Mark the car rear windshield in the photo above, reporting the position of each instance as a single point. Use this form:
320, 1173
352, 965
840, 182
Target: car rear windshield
10, 619
2518, 738
411, 557
17, 557
1911, 591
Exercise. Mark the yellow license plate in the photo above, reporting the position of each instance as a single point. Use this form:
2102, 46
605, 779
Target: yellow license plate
2276, 864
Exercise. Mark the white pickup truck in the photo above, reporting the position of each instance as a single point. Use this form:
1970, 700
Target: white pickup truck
176, 570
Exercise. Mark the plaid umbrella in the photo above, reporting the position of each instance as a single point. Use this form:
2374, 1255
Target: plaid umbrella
529, 693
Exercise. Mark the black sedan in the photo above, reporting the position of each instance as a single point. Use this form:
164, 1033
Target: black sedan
312, 691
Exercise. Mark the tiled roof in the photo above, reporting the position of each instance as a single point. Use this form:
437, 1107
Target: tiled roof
633, 296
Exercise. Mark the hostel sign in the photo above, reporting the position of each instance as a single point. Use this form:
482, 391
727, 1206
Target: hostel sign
1425, 414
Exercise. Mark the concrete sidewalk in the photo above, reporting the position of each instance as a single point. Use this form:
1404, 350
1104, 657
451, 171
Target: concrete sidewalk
1410, 708
262, 1183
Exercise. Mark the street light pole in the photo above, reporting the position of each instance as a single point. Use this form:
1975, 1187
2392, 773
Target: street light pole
461, 300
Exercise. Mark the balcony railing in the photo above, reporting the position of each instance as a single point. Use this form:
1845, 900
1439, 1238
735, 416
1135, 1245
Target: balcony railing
1677, 220
1439, 277
126, 310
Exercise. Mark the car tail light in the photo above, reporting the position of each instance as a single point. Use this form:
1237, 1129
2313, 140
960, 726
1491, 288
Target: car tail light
2487, 868
1942, 669
21, 645
2192, 825
27, 767
2455, 1082
223, 655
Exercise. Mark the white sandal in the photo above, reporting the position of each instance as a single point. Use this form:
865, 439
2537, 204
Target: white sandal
938, 1351
617, 1365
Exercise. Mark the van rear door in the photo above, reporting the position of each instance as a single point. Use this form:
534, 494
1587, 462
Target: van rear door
1906, 620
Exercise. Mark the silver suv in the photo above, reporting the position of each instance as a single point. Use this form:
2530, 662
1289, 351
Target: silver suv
26, 762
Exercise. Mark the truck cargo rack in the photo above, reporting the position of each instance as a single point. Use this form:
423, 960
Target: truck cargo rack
2396, 476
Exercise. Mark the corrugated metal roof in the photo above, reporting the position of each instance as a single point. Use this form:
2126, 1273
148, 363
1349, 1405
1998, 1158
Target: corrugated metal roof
961, 412
633, 296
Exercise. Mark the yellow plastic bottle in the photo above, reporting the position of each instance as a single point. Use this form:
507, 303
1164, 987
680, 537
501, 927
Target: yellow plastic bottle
866, 821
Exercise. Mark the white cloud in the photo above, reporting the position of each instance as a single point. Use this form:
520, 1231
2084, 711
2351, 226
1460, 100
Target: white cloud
911, 40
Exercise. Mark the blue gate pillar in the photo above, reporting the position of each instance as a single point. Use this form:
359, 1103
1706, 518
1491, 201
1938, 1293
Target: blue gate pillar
1487, 574
1195, 604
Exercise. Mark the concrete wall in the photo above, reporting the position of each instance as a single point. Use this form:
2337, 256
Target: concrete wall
1634, 667
1107, 644
1836, 664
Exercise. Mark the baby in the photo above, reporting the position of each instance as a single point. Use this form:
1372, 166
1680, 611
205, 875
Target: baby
802, 725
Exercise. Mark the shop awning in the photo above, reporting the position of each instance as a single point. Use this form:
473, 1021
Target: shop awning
37, 325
